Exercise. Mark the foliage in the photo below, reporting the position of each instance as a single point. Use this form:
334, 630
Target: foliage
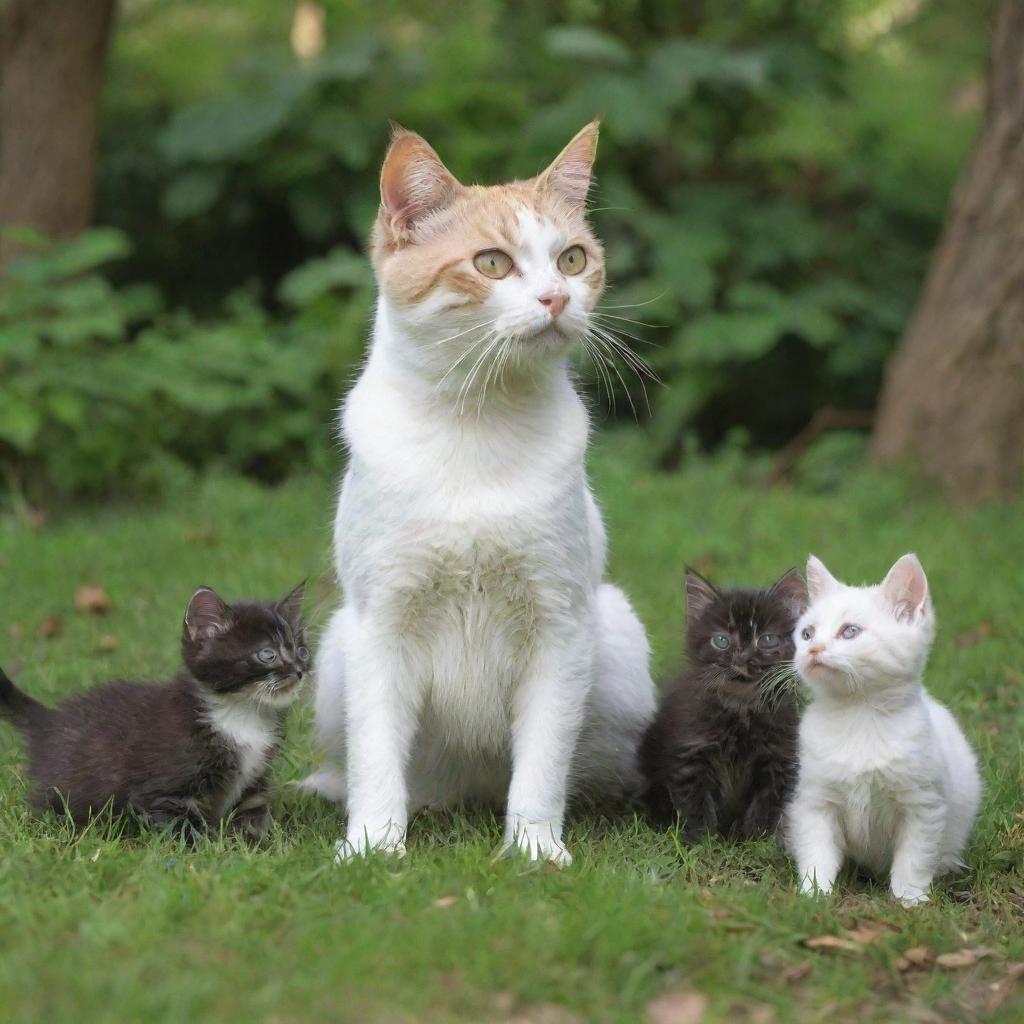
771, 178
104, 391
98, 928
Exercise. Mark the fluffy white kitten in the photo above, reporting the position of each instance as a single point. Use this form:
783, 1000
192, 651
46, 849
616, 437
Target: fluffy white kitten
478, 654
886, 776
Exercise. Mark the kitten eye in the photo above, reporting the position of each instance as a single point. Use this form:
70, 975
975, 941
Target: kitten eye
303, 653
806, 633
720, 642
768, 641
572, 261
849, 632
268, 655
493, 263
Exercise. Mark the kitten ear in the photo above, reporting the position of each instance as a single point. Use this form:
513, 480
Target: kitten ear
819, 580
206, 615
413, 181
290, 606
700, 595
792, 590
906, 589
569, 174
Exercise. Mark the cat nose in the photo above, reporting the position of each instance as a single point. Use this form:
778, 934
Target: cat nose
555, 301
815, 650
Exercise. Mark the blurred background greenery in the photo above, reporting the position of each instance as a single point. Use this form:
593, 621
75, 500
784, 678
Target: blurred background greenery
772, 178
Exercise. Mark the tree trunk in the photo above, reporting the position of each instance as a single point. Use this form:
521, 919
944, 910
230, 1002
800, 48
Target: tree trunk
953, 397
51, 71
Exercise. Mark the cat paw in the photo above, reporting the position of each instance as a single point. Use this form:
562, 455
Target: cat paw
910, 895
388, 841
811, 887
538, 840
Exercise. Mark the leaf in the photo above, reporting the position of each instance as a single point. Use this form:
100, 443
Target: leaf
798, 973
108, 643
580, 42
445, 902
677, 1008
92, 598
341, 267
51, 628
919, 956
193, 193
962, 958
1005, 988
832, 944
19, 422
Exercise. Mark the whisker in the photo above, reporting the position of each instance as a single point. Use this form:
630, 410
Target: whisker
636, 305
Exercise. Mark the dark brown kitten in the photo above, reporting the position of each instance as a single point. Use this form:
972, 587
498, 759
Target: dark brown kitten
722, 753
187, 753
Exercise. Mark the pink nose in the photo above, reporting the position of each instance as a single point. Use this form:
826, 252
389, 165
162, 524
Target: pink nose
555, 302
815, 650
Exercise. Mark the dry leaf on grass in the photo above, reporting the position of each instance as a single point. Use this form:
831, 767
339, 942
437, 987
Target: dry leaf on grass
1004, 989
798, 973
962, 958
51, 627
832, 944
445, 902
108, 642
677, 1008
866, 934
919, 956
92, 598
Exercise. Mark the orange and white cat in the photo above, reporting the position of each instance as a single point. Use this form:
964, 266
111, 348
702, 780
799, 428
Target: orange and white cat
478, 653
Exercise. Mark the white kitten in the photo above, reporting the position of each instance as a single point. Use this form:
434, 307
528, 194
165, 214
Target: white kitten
478, 654
886, 776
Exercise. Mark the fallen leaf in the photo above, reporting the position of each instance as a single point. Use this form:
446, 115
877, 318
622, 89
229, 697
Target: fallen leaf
798, 973
919, 956
1005, 988
677, 1008
866, 934
832, 943
108, 642
51, 627
901, 963
445, 902
92, 598
962, 958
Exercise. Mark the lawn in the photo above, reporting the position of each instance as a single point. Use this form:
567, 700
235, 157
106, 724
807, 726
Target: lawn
96, 928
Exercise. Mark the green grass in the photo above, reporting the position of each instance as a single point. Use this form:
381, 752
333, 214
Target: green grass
93, 927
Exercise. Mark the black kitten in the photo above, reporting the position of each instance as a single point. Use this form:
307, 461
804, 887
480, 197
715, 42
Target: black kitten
189, 752
722, 752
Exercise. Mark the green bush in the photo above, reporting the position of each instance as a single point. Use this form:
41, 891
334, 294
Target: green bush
104, 391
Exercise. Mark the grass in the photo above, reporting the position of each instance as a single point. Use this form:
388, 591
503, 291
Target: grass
94, 927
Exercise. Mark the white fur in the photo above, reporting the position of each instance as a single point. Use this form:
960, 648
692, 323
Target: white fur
252, 732
476, 639
886, 775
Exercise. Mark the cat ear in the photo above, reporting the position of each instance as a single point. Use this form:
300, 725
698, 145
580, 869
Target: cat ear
290, 606
206, 615
792, 590
906, 589
570, 172
700, 595
413, 181
819, 580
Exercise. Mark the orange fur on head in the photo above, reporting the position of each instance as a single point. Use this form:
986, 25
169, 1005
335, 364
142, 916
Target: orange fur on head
430, 226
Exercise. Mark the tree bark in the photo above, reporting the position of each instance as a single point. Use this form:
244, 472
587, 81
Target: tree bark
51, 71
953, 397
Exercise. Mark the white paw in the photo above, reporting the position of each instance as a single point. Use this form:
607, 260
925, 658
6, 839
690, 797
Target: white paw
538, 840
811, 887
909, 895
388, 840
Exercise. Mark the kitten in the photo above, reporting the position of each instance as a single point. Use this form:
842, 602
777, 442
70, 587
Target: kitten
886, 776
722, 752
479, 654
187, 753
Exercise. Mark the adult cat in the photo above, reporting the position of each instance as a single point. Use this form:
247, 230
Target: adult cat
477, 655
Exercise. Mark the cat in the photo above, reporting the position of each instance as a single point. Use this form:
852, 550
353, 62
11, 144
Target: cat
478, 653
886, 777
186, 754
721, 755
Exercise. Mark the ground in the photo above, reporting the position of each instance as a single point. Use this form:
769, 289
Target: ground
94, 927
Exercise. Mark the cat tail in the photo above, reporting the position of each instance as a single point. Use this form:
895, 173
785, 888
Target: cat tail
16, 706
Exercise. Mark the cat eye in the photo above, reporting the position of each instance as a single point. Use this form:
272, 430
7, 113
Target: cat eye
768, 641
268, 655
806, 633
720, 642
303, 653
572, 261
493, 263
848, 632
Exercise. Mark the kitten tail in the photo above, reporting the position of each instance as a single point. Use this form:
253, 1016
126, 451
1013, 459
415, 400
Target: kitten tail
18, 707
